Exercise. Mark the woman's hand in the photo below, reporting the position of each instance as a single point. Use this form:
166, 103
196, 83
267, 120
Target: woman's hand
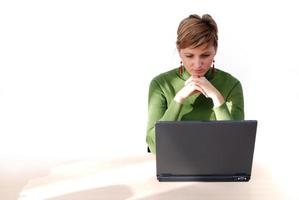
191, 87
210, 91
199, 85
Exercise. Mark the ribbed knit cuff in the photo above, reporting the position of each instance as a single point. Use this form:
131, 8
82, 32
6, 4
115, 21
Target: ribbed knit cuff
222, 112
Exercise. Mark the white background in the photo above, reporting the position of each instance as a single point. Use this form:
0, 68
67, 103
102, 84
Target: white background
74, 75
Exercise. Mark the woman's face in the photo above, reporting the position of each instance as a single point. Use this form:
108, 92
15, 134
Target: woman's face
197, 61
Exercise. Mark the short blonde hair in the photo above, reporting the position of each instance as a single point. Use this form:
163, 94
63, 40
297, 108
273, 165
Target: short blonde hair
195, 31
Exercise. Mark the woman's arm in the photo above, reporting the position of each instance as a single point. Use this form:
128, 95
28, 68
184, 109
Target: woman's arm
158, 109
229, 108
233, 107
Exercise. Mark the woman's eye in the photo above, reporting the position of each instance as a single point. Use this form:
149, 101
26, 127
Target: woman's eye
189, 56
206, 55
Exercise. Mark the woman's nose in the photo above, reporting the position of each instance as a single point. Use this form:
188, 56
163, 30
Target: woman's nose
198, 63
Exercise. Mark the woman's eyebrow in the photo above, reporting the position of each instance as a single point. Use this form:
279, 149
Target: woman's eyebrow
188, 53
205, 52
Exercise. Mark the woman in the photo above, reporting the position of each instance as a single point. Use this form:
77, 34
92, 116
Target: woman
196, 90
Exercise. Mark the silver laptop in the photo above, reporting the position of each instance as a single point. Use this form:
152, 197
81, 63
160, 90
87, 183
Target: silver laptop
205, 150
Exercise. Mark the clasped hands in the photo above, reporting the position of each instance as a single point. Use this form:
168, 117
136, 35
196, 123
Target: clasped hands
201, 85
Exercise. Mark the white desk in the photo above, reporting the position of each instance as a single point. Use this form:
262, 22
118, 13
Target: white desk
122, 178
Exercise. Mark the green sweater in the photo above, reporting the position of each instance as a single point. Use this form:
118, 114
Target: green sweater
162, 107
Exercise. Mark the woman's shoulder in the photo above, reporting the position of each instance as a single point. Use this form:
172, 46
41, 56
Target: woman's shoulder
166, 76
226, 76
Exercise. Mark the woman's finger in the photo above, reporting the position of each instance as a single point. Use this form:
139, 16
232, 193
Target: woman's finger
201, 90
196, 86
188, 80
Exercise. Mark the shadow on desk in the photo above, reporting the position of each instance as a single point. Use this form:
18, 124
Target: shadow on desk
115, 192
15, 174
96, 178
134, 178
261, 186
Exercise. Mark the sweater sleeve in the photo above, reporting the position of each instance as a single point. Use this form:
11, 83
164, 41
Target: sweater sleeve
158, 109
233, 107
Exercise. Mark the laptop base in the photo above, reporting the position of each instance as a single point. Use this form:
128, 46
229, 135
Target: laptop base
206, 178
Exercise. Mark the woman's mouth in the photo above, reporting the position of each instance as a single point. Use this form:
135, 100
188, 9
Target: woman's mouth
198, 71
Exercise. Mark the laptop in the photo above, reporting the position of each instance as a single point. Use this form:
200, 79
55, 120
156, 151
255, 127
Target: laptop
205, 150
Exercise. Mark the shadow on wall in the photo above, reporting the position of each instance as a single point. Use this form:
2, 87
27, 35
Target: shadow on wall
115, 192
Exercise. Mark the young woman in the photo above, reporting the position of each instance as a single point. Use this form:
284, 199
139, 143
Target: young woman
196, 90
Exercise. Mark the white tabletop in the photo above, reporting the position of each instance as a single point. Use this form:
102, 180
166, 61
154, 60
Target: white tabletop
130, 177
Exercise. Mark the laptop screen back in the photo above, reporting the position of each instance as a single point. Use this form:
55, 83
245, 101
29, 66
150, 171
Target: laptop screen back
205, 148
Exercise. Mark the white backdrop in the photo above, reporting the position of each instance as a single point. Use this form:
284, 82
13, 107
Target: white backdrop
74, 75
